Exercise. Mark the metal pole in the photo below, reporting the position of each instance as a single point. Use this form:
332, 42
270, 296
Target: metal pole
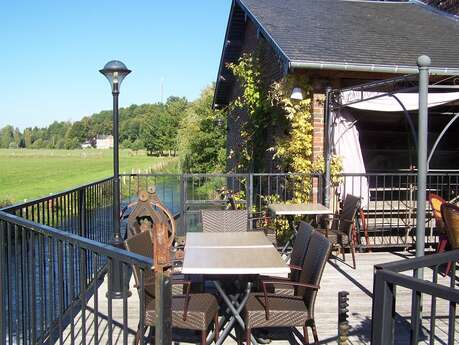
328, 146
116, 290
116, 177
423, 64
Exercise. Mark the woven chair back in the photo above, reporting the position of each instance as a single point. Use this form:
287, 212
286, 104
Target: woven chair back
346, 218
316, 257
142, 244
224, 221
300, 246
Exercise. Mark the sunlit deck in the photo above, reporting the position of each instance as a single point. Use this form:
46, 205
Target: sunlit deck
338, 276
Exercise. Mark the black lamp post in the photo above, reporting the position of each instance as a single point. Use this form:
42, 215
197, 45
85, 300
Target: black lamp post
115, 71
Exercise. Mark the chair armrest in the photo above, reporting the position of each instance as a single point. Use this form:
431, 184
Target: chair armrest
295, 267
282, 282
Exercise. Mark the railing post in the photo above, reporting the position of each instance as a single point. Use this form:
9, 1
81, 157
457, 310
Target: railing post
82, 212
163, 307
423, 64
249, 197
382, 326
182, 202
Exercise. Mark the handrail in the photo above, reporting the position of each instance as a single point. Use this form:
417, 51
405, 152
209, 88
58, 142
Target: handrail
53, 196
82, 242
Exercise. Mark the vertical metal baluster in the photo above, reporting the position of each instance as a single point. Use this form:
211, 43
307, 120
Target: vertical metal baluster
82, 253
51, 286
433, 308
96, 299
125, 302
110, 317
9, 272
141, 290
452, 308
42, 270
25, 287
416, 322
2, 283
32, 286
60, 275
71, 285
18, 284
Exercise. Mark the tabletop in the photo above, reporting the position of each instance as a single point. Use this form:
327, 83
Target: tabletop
299, 209
227, 239
248, 257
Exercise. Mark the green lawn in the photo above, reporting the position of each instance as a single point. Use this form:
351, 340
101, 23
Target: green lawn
29, 174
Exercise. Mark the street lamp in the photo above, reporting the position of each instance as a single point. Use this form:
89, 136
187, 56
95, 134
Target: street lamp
115, 71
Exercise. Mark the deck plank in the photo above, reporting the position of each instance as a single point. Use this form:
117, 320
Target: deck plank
337, 276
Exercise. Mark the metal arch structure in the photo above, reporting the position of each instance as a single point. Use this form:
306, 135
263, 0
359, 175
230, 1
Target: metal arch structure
440, 137
333, 101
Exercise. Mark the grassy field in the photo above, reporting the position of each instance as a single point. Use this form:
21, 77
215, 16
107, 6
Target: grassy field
29, 174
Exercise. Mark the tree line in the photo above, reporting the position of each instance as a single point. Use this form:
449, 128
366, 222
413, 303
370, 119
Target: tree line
192, 129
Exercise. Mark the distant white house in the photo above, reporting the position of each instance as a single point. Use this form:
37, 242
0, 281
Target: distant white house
104, 141
86, 145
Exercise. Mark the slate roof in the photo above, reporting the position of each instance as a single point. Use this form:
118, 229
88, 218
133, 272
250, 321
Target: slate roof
384, 36
358, 32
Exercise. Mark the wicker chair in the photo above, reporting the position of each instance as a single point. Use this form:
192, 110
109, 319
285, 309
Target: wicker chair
300, 246
450, 215
341, 232
189, 311
231, 221
265, 310
435, 203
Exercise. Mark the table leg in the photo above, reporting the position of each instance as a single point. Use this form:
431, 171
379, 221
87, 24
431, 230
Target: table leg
236, 311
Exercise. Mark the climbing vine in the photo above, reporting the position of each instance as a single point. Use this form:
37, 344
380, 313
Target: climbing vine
270, 107
255, 102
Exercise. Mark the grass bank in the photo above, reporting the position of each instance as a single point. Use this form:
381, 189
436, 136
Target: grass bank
29, 174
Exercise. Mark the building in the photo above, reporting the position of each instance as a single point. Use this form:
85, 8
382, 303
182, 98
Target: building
104, 142
340, 44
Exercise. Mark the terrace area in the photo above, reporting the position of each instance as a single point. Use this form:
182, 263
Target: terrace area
58, 268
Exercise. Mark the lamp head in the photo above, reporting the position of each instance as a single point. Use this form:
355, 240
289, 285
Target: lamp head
297, 93
115, 71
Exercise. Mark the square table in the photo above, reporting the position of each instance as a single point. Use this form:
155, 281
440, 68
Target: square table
302, 209
232, 254
247, 239
311, 209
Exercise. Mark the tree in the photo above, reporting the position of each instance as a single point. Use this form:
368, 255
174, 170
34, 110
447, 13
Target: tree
27, 138
6, 136
202, 136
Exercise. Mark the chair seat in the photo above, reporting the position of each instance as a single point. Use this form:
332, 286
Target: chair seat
202, 309
284, 311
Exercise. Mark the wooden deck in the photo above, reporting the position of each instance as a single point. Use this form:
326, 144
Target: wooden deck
338, 276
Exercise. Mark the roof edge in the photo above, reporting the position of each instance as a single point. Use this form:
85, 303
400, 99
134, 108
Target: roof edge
345, 66
220, 66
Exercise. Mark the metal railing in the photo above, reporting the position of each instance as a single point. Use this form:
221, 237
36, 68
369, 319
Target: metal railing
389, 204
85, 210
52, 292
389, 200
426, 324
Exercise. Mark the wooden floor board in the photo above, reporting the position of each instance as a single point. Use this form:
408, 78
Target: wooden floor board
338, 276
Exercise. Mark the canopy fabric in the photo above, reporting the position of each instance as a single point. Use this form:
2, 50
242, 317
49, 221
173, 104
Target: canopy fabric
388, 103
347, 147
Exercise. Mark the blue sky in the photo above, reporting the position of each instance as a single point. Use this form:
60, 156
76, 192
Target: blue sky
51, 52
